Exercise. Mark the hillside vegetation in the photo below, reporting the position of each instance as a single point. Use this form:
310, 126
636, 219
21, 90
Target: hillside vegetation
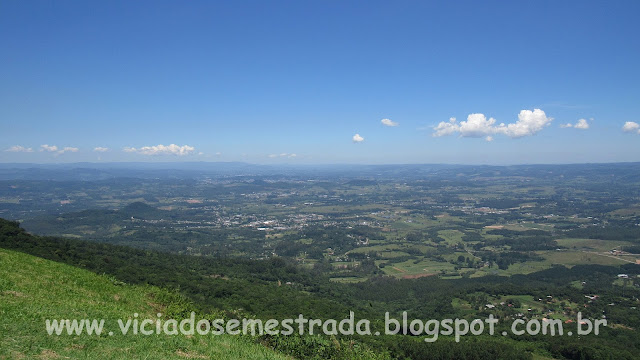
34, 289
275, 288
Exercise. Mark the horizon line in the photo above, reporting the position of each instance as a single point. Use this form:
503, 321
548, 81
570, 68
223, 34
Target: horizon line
308, 164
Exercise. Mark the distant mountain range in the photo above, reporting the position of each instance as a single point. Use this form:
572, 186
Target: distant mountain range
87, 171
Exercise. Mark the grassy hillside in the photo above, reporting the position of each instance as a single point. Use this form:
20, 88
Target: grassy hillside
33, 289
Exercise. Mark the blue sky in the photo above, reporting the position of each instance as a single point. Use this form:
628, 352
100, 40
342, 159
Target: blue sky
295, 81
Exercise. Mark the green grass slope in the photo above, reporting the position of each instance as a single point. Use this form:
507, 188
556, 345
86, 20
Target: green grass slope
33, 289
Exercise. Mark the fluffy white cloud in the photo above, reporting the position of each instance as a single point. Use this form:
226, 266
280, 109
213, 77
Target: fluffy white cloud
100, 149
582, 124
489, 138
48, 148
388, 122
357, 138
631, 126
529, 123
68, 149
18, 148
56, 150
477, 125
172, 149
446, 128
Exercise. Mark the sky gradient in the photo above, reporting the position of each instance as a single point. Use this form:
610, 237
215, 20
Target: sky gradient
320, 81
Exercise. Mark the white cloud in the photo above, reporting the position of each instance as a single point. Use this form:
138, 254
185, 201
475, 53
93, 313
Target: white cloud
282, 155
489, 138
48, 148
18, 148
172, 149
446, 128
68, 149
529, 123
582, 124
631, 126
56, 150
477, 125
357, 138
100, 149
388, 122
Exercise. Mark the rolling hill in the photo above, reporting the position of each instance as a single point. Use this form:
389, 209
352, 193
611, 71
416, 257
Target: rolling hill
33, 289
